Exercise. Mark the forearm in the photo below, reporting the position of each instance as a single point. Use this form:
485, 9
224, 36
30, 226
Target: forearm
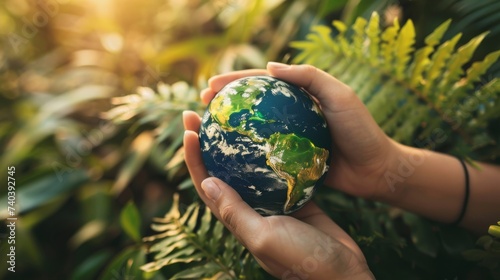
433, 185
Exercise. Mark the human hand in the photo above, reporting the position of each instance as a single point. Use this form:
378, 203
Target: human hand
305, 245
362, 153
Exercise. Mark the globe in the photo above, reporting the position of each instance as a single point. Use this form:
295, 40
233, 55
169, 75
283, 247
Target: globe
268, 140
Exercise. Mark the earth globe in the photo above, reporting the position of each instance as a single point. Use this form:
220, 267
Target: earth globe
269, 140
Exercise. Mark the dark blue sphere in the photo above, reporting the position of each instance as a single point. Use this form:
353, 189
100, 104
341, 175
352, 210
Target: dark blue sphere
268, 140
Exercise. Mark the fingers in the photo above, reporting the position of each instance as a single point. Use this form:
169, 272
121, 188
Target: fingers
313, 215
191, 120
332, 94
192, 157
192, 152
230, 209
216, 83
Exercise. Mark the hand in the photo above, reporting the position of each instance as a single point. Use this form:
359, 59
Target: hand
306, 245
362, 153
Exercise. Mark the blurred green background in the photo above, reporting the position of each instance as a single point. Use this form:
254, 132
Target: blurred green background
90, 175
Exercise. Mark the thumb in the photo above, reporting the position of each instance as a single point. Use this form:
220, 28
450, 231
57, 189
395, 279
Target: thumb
244, 222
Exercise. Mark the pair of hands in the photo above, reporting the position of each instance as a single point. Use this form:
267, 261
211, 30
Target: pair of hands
307, 244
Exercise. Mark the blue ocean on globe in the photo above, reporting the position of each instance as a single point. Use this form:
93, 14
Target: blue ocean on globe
268, 140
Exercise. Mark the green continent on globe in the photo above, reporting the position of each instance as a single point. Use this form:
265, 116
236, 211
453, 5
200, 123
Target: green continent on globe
244, 97
298, 161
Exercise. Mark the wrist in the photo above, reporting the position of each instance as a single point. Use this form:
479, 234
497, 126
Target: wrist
400, 165
422, 177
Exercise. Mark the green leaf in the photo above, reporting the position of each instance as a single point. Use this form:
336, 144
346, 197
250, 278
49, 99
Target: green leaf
139, 151
455, 240
42, 191
485, 241
117, 268
438, 62
330, 6
358, 38
373, 34
378, 105
169, 242
90, 267
404, 48
174, 241
135, 263
196, 272
341, 27
422, 235
454, 67
130, 221
474, 255
166, 250
435, 37
494, 230
65, 103
422, 60
88, 231
477, 69
179, 254
170, 129
388, 45
186, 184
205, 223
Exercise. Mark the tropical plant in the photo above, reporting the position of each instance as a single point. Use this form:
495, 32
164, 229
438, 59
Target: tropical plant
489, 253
195, 239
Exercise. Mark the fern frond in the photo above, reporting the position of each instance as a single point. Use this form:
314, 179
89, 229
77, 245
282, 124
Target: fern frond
200, 242
412, 93
373, 36
358, 37
388, 46
438, 63
422, 60
454, 68
403, 48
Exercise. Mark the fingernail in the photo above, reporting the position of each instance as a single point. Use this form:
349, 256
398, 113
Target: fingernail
211, 189
277, 65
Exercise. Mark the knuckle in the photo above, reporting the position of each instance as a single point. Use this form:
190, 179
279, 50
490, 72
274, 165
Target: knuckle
227, 214
311, 74
309, 70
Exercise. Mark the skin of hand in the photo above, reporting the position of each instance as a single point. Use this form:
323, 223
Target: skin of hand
304, 245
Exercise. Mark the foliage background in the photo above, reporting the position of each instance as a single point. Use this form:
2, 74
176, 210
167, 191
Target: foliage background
88, 188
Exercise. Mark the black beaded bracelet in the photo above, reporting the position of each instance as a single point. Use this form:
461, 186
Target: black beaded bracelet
466, 197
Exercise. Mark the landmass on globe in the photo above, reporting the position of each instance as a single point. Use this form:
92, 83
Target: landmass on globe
267, 139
